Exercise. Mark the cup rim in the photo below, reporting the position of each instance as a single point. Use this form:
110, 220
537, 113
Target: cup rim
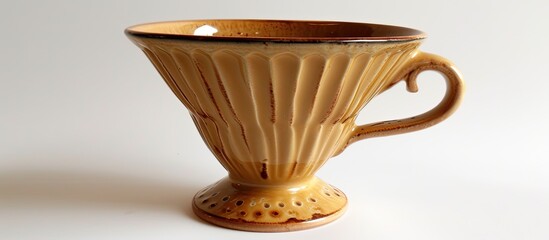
400, 34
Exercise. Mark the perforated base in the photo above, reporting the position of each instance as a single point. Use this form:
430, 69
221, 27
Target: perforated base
269, 209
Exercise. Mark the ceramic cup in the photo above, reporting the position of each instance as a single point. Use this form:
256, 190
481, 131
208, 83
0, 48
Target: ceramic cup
274, 100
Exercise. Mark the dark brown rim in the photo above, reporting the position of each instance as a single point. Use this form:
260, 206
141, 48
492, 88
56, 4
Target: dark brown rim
131, 31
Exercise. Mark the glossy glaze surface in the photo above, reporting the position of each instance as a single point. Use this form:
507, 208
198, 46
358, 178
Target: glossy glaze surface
274, 111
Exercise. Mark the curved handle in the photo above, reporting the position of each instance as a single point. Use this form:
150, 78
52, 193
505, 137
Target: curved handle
419, 63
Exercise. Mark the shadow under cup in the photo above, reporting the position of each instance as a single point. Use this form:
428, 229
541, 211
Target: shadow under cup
274, 100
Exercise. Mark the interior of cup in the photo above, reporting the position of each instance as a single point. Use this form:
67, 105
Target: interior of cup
275, 30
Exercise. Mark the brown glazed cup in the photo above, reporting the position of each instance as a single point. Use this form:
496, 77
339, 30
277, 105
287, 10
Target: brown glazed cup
274, 100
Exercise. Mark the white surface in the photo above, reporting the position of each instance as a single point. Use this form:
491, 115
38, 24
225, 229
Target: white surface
93, 145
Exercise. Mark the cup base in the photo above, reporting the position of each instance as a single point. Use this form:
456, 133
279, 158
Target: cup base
269, 208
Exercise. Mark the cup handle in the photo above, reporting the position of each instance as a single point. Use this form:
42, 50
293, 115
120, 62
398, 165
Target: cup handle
420, 62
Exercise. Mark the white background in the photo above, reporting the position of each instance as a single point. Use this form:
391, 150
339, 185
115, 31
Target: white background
93, 145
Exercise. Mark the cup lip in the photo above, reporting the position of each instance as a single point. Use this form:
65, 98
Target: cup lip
133, 31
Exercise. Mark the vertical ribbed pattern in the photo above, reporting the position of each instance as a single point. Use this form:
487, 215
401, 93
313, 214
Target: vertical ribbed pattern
274, 116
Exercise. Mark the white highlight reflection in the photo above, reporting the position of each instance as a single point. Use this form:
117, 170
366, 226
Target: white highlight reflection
205, 30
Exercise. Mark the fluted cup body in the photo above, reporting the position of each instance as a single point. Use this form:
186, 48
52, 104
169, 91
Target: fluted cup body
275, 112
